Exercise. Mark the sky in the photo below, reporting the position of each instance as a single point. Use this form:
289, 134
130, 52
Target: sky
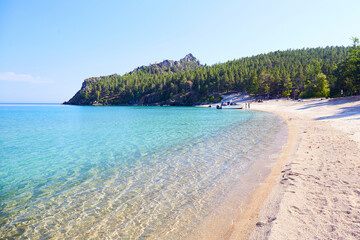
47, 48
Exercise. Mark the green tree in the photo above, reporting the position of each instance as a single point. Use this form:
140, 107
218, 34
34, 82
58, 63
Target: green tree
322, 86
319, 87
265, 82
97, 95
349, 70
287, 85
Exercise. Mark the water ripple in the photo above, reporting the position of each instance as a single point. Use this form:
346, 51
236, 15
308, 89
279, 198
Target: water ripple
127, 173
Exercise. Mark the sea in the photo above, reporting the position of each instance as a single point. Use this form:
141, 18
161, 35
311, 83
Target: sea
126, 172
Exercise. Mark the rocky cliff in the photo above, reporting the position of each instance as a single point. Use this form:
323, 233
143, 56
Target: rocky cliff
189, 62
92, 92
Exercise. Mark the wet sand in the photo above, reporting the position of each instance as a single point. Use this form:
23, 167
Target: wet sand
313, 192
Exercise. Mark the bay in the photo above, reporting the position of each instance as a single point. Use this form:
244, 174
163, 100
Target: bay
121, 172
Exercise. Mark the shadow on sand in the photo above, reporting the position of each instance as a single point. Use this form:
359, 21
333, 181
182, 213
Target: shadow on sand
345, 111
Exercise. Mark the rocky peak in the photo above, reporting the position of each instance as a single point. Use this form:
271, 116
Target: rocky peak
167, 64
188, 58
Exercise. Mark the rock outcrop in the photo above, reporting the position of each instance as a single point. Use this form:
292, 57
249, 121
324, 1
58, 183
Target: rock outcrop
189, 62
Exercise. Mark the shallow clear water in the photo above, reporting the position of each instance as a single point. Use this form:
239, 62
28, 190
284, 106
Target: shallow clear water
121, 172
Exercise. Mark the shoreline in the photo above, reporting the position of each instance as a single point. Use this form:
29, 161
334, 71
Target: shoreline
247, 221
221, 223
313, 190
310, 191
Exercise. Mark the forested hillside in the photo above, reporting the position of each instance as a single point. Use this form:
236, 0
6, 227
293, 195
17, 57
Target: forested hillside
291, 73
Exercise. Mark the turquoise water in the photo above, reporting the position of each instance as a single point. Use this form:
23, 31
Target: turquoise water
121, 172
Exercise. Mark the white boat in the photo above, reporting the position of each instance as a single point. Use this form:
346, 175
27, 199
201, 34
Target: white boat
228, 105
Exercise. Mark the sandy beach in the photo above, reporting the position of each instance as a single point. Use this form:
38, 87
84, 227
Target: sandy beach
313, 192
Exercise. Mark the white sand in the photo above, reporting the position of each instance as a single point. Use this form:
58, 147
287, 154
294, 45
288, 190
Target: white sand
316, 195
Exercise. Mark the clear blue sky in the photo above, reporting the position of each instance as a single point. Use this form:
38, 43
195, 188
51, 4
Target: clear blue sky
47, 48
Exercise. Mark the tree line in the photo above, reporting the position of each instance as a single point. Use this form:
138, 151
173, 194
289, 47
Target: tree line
304, 73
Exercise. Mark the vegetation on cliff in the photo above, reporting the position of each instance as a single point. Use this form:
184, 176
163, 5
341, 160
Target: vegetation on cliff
311, 72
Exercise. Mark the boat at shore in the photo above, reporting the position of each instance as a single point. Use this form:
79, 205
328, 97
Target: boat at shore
229, 105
